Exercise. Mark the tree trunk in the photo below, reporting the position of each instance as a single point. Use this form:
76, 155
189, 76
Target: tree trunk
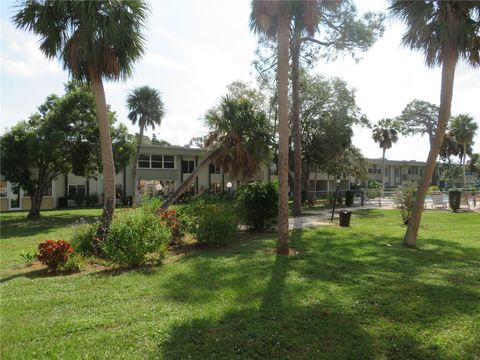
282, 81
464, 165
137, 155
446, 94
297, 139
106, 153
184, 185
36, 203
315, 196
383, 176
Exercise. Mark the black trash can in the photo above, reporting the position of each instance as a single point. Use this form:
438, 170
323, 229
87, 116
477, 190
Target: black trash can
345, 216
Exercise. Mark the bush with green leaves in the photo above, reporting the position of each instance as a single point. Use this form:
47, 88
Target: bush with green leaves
93, 199
75, 263
257, 205
404, 199
211, 223
150, 204
349, 197
454, 196
433, 189
135, 237
29, 256
83, 238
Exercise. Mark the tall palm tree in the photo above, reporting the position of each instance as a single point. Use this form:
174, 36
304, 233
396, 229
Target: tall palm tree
445, 31
463, 129
385, 134
239, 140
93, 40
272, 19
145, 107
305, 21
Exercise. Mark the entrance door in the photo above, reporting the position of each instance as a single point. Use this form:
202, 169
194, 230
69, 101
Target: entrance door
15, 197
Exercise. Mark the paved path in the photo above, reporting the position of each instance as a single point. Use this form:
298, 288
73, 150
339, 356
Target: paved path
322, 217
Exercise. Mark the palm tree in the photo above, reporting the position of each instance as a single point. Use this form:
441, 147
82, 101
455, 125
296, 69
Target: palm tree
239, 140
445, 31
385, 134
305, 22
145, 107
463, 129
93, 40
272, 19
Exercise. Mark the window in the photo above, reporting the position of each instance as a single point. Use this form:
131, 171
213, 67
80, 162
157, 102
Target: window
397, 171
215, 169
144, 161
157, 161
188, 166
168, 162
3, 188
118, 191
215, 188
76, 190
413, 170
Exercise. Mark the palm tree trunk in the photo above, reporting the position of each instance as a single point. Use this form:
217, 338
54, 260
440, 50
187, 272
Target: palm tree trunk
464, 165
297, 140
137, 155
106, 153
383, 176
282, 80
184, 185
446, 94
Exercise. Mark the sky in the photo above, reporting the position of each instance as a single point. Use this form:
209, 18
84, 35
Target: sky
196, 48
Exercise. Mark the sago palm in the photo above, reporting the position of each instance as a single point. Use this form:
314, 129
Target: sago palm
445, 32
94, 40
272, 19
463, 129
146, 108
238, 142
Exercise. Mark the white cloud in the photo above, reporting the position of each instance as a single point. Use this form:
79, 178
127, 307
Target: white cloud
162, 61
22, 57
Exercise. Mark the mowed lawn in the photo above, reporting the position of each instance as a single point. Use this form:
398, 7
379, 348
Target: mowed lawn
348, 293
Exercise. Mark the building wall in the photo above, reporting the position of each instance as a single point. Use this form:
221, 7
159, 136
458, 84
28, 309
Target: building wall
397, 172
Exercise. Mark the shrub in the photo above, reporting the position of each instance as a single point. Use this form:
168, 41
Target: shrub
29, 256
74, 264
433, 189
454, 196
257, 205
79, 199
54, 253
212, 224
349, 196
404, 199
83, 238
93, 199
217, 224
150, 204
135, 235
170, 219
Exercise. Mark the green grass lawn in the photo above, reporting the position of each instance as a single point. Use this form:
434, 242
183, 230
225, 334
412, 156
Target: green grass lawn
349, 293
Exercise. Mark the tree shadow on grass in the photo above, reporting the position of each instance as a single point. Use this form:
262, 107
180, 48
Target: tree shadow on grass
32, 274
276, 330
20, 227
404, 290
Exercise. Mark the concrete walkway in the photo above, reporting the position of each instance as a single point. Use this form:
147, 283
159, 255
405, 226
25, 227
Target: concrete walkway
322, 217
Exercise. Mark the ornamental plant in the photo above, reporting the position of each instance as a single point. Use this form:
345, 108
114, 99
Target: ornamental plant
257, 205
404, 199
170, 219
454, 196
54, 254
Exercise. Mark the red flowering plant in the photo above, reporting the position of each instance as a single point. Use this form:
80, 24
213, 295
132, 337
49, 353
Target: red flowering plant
54, 253
169, 217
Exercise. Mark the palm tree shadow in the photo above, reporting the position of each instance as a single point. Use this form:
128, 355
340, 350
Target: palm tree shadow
277, 329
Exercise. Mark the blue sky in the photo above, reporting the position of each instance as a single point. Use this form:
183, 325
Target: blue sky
196, 48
